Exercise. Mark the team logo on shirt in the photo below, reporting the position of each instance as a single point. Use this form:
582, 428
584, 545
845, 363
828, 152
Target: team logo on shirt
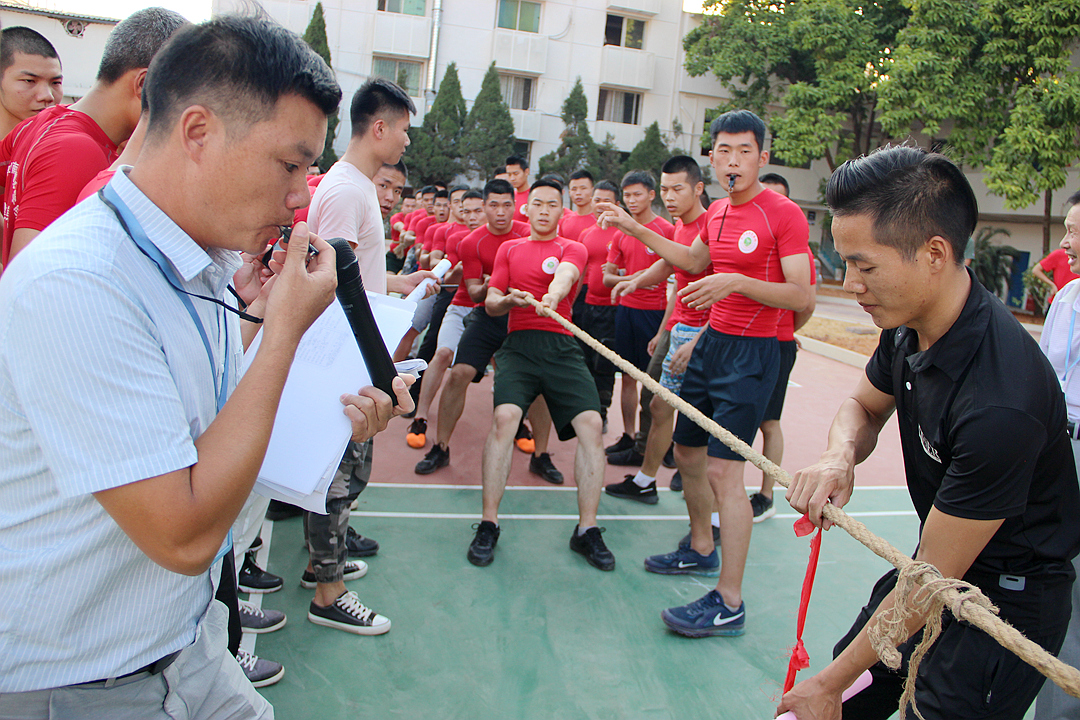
549, 265
928, 448
748, 242
649, 251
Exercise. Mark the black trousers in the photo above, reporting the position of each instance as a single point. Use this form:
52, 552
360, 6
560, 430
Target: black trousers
226, 594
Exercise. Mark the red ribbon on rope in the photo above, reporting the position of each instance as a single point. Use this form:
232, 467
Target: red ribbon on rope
800, 659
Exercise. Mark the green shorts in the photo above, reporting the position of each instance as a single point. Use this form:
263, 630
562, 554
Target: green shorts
538, 362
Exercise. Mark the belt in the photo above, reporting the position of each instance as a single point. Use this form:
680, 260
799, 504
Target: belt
1073, 429
155, 668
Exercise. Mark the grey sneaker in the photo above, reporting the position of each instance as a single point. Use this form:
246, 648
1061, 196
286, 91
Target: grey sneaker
762, 506
349, 614
260, 671
258, 621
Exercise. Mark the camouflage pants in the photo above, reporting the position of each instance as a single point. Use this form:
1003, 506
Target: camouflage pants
326, 533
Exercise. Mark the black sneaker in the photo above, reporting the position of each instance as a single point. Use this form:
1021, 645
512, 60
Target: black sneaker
624, 443
630, 490
354, 570
437, 457
258, 621
260, 671
482, 548
524, 440
669, 457
541, 465
253, 579
279, 510
256, 544
685, 542
676, 482
591, 545
626, 458
349, 614
603, 428
359, 546
762, 506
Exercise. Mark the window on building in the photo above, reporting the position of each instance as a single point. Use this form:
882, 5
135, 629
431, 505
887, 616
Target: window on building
519, 15
408, 7
618, 106
523, 148
518, 91
404, 73
624, 31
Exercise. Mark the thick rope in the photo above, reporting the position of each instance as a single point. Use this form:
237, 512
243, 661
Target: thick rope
966, 602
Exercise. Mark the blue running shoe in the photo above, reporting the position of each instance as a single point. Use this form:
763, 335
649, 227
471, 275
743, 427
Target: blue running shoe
706, 616
684, 561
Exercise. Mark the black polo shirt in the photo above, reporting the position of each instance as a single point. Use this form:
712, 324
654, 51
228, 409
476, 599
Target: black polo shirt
982, 427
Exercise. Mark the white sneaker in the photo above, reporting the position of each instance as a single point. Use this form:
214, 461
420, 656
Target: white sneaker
354, 570
348, 614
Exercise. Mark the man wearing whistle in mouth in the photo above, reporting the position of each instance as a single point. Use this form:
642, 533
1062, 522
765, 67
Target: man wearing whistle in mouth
755, 241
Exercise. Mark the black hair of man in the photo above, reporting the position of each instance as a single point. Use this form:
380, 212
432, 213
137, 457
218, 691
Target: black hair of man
472, 194
376, 98
501, 170
135, 41
498, 187
609, 187
684, 164
582, 175
910, 195
517, 160
442, 193
776, 179
1073, 199
457, 189
407, 193
739, 121
23, 40
439, 185
400, 167
546, 181
639, 177
428, 190
239, 67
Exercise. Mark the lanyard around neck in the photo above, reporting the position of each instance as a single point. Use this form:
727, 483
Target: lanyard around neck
135, 231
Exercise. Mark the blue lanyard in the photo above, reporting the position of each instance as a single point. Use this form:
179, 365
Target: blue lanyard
135, 231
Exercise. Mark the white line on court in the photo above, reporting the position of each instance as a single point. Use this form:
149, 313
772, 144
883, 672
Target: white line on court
423, 486
682, 518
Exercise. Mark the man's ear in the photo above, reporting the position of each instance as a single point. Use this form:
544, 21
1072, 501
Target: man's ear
939, 253
196, 125
763, 159
137, 81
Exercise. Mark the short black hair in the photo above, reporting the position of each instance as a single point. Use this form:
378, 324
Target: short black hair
135, 41
684, 164
517, 160
428, 190
776, 179
582, 175
739, 121
457, 188
501, 170
556, 177
239, 67
610, 187
472, 194
399, 167
439, 184
377, 96
546, 181
910, 194
638, 177
498, 187
442, 193
23, 40
1073, 199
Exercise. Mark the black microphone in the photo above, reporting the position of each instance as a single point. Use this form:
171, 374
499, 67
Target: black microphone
353, 299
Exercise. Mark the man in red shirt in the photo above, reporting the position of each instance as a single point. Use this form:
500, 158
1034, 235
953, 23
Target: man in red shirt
582, 218
539, 358
31, 78
1057, 263
638, 317
50, 158
756, 244
517, 172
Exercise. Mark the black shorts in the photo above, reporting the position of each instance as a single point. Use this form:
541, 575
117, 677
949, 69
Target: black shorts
394, 264
483, 336
788, 348
634, 329
598, 321
967, 674
431, 339
730, 379
539, 362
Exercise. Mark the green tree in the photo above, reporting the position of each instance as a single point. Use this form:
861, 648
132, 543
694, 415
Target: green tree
577, 150
315, 37
435, 152
609, 165
821, 59
650, 153
489, 137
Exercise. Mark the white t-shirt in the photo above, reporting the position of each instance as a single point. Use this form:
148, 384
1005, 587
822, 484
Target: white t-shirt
346, 205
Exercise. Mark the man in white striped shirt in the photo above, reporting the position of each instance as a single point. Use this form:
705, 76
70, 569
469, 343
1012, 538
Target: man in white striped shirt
128, 441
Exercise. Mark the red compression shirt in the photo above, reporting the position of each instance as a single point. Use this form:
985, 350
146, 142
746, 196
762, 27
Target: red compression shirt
572, 225
530, 266
424, 231
756, 234
1057, 263
785, 327
598, 243
686, 235
438, 240
477, 252
632, 255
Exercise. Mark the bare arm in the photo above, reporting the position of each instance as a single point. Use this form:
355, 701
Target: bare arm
693, 259
792, 294
801, 317
655, 274
499, 303
566, 274
21, 239
477, 288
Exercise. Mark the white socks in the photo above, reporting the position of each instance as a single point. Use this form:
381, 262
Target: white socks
642, 480
716, 519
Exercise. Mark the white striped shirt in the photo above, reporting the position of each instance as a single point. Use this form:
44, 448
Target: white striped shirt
1062, 347
104, 381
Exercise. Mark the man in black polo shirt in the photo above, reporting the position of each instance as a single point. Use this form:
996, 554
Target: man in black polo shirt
982, 426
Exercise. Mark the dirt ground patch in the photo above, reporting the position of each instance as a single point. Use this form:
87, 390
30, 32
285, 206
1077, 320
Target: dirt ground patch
859, 338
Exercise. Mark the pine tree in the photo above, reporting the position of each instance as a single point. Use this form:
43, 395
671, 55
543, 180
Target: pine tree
489, 135
315, 37
649, 154
435, 153
577, 151
609, 164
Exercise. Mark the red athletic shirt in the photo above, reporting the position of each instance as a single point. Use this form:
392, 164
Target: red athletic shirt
1057, 263
301, 214
47, 161
632, 255
100, 180
442, 232
572, 225
530, 266
598, 243
785, 327
520, 199
477, 252
414, 217
756, 234
423, 228
686, 235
